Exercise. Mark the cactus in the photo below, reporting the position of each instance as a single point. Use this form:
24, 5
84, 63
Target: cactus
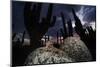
89, 39
48, 38
78, 28
62, 33
70, 29
64, 27
35, 28
57, 38
60, 39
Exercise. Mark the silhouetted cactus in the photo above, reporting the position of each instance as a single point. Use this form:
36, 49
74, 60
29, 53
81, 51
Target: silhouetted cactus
60, 39
64, 30
78, 26
70, 28
48, 38
57, 38
35, 28
89, 39
62, 33
90, 30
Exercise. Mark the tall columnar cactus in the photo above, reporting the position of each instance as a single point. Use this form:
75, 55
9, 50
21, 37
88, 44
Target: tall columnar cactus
78, 26
57, 38
90, 30
69, 31
90, 39
61, 40
64, 30
35, 28
48, 38
70, 28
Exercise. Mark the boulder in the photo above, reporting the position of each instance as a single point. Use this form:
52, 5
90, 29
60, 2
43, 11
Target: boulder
76, 49
47, 55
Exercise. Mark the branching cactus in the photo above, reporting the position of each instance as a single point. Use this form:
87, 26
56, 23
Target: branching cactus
35, 28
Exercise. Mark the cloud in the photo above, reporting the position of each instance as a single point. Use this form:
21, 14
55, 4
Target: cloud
87, 13
84, 12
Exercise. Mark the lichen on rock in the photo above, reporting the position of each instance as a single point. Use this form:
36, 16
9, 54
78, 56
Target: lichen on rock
46, 55
76, 49
72, 50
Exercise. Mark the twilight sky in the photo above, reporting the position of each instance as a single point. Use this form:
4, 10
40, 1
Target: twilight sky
86, 13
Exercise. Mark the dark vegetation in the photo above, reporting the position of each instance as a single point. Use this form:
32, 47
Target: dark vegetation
36, 30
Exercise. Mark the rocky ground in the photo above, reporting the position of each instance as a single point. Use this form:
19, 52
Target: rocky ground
73, 50
76, 49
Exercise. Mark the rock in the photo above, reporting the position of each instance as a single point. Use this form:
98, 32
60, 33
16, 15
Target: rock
76, 49
47, 55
